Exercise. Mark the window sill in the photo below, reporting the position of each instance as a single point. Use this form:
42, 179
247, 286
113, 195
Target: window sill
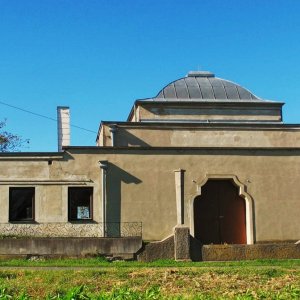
23, 222
83, 221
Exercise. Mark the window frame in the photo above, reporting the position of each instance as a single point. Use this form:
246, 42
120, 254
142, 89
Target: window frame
22, 220
91, 199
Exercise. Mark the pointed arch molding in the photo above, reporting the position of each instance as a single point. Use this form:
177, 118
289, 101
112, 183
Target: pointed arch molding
242, 192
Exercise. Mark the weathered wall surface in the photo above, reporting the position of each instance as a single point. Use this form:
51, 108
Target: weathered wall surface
141, 186
203, 136
239, 112
52, 229
158, 250
70, 246
51, 182
249, 252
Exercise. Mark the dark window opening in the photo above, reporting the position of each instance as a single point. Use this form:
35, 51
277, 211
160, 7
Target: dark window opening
80, 203
21, 204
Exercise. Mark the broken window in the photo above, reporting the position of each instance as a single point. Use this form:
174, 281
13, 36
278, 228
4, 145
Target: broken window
80, 203
21, 204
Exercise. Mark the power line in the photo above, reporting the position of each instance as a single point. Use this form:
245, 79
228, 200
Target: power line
42, 116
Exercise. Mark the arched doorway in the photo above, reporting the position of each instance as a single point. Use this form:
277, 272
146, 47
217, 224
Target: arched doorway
220, 214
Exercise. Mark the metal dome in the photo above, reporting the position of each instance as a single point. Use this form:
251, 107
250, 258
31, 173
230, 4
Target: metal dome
199, 85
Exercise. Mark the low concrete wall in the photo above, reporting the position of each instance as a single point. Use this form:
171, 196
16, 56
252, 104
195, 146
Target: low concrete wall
70, 246
249, 252
158, 250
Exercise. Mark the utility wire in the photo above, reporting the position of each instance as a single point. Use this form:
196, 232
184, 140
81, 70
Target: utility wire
42, 116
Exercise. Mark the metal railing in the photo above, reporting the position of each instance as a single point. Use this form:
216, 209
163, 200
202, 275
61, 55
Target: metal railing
110, 229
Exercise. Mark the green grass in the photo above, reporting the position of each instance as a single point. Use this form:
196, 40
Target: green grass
102, 262
165, 279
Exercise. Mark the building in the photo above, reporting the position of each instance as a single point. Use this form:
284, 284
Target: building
205, 154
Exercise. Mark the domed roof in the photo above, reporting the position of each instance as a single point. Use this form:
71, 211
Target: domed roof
204, 85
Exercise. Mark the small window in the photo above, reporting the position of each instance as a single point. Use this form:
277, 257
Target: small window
80, 203
21, 204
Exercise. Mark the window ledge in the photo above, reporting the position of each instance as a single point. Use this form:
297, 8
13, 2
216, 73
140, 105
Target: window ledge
23, 222
83, 221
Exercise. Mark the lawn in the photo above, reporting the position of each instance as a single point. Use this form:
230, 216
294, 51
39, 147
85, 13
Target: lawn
96, 278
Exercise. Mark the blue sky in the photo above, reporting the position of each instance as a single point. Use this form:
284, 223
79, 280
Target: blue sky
99, 56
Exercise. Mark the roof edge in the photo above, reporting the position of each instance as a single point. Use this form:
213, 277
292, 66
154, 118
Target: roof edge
116, 148
279, 125
32, 155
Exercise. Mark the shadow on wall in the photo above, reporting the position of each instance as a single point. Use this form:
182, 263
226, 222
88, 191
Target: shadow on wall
115, 177
195, 249
125, 138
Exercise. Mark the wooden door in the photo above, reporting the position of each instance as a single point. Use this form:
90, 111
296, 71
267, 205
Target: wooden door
220, 214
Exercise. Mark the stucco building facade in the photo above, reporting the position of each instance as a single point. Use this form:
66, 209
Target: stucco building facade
205, 153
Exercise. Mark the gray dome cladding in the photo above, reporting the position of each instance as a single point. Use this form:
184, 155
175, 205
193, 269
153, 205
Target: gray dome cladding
204, 85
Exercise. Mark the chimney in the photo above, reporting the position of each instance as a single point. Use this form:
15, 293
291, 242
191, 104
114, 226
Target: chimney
63, 126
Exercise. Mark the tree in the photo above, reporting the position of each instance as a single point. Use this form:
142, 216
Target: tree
8, 141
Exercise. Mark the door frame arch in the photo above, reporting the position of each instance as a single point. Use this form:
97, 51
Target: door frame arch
249, 204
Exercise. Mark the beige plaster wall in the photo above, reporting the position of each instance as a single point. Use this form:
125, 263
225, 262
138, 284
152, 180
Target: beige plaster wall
4, 203
164, 136
141, 186
21, 169
147, 187
239, 112
51, 182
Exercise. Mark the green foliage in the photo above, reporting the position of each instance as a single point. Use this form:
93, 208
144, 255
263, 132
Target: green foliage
289, 292
4, 295
23, 296
273, 272
293, 292
123, 293
76, 293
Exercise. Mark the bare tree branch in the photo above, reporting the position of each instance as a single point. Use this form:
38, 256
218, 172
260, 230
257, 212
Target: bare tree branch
10, 142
